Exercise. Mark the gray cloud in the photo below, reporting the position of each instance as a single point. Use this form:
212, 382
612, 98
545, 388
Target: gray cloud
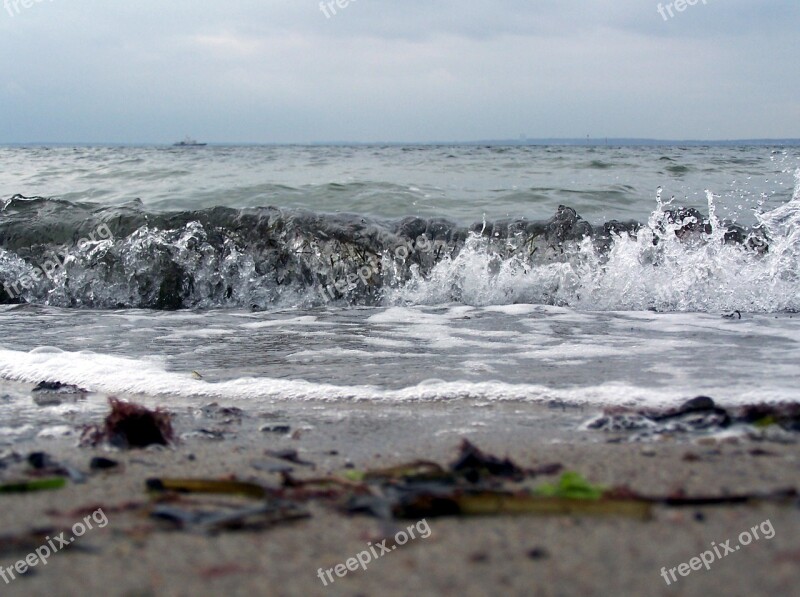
280, 71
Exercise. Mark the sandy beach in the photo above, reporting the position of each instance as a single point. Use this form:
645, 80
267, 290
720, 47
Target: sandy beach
353, 298
135, 554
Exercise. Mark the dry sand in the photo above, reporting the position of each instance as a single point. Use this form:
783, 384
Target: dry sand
135, 555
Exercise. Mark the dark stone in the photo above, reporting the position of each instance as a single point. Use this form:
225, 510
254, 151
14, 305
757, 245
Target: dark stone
98, 463
276, 429
40, 460
698, 404
538, 553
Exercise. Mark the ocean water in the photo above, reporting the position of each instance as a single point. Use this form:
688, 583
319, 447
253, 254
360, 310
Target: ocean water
566, 275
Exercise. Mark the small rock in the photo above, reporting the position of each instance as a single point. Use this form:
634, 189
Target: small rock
289, 456
699, 403
275, 428
538, 553
98, 463
209, 434
40, 460
57, 386
272, 467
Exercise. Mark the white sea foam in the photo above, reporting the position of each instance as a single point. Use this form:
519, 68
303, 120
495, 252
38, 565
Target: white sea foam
655, 270
113, 374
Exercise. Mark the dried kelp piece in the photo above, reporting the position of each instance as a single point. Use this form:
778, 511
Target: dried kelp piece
680, 499
48, 484
374, 505
192, 516
474, 465
784, 414
470, 487
418, 470
241, 518
552, 468
213, 486
484, 503
697, 414
789, 495
131, 425
321, 487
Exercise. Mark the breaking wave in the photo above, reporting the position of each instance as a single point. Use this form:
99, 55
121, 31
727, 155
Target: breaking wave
54, 252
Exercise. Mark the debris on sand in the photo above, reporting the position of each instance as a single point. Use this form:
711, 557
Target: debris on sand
57, 386
475, 465
46, 465
131, 425
181, 513
100, 463
699, 414
33, 485
53, 393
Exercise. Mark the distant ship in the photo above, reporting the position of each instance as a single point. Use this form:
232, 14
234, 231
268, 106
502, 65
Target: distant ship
189, 142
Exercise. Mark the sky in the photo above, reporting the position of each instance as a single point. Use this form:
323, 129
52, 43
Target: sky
287, 71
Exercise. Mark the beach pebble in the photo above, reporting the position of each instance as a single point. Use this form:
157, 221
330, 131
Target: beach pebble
538, 553
275, 428
55, 432
100, 463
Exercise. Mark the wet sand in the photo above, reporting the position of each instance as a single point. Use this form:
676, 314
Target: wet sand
513, 555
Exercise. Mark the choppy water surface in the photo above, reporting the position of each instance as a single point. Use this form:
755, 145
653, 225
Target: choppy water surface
394, 274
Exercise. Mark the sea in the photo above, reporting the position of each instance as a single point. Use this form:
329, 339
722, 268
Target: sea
393, 275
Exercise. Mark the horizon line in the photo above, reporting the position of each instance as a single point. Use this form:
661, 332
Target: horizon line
574, 141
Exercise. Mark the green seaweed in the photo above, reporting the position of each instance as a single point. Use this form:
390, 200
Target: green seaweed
48, 484
573, 486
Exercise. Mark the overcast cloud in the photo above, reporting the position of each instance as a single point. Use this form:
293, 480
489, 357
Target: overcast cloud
396, 70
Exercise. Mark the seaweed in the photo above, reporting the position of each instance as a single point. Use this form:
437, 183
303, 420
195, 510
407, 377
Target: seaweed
700, 414
474, 484
131, 425
473, 465
207, 486
571, 486
182, 514
46, 484
522, 503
